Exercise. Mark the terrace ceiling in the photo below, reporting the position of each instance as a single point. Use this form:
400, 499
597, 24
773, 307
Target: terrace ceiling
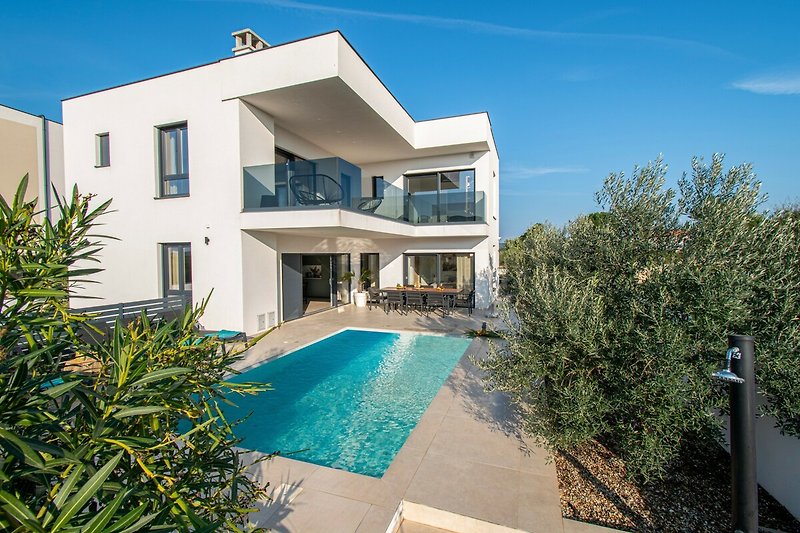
329, 114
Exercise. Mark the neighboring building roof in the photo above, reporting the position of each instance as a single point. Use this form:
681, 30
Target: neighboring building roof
28, 113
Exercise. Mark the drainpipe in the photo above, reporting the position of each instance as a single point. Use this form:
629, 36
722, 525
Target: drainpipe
46, 165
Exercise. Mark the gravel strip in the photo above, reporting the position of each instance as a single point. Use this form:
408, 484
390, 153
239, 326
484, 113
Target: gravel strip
695, 494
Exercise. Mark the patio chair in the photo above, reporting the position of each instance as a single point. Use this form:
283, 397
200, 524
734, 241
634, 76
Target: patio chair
395, 299
224, 335
465, 300
315, 189
370, 204
374, 297
439, 300
415, 300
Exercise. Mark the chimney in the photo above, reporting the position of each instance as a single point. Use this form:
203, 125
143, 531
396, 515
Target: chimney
247, 41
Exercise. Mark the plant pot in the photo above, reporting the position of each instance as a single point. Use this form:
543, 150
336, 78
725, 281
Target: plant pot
360, 299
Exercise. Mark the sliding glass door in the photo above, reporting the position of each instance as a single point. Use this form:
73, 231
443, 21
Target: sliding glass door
340, 264
454, 271
371, 263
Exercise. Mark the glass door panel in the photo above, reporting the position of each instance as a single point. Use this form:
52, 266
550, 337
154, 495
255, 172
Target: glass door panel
421, 270
177, 270
340, 289
457, 271
423, 194
372, 263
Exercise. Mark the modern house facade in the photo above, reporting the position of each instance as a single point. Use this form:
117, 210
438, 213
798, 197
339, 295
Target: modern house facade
268, 175
32, 145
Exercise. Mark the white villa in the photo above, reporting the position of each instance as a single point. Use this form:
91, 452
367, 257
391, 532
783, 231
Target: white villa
267, 175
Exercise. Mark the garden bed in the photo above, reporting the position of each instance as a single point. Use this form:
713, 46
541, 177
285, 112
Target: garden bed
695, 494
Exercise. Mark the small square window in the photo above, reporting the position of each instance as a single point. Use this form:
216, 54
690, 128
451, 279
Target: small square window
102, 150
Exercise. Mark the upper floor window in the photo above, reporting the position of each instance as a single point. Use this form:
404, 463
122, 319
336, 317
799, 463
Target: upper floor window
174, 160
102, 150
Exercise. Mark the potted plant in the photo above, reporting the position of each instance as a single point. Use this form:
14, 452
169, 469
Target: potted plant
360, 295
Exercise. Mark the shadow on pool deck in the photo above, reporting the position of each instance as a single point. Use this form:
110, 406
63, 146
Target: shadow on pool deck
465, 467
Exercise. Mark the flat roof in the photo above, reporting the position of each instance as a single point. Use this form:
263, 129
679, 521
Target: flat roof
270, 48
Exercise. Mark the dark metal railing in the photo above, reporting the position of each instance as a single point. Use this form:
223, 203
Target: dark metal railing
126, 311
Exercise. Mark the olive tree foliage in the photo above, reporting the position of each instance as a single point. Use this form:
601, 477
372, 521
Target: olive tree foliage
617, 320
120, 435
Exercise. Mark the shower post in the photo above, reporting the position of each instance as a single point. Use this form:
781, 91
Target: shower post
744, 484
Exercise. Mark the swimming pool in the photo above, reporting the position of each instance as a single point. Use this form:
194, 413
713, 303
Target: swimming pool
348, 401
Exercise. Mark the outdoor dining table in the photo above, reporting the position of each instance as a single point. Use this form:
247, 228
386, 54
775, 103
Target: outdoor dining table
425, 291
422, 289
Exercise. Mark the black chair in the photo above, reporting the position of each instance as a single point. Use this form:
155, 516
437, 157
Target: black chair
374, 297
415, 300
316, 189
439, 300
465, 300
269, 200
394, 299
370, 204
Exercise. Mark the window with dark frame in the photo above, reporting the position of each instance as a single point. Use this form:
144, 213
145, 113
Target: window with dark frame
102, 150
448, 270
441, 196
174, 160
177, 269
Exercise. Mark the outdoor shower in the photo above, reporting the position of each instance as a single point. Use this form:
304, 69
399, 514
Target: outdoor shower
726, 374
739, 373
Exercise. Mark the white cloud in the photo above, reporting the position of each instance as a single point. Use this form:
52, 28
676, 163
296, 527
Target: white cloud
535, 172
778, 84
477, 26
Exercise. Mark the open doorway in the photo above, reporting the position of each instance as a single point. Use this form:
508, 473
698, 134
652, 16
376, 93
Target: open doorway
313, 282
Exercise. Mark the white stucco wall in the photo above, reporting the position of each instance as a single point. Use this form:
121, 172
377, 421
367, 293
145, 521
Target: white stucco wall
241, 261
131, 115
777, 460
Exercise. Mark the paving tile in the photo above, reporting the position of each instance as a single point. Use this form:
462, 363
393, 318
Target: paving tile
402, 469
469, 440
314, 511
539, 504
422, 435
279, 470
363, 488
485, 492
377, 520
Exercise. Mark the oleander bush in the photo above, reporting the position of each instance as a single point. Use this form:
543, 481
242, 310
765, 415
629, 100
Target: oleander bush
617, 320
120, 435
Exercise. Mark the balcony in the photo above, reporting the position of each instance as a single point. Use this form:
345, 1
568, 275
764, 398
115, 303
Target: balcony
335, 183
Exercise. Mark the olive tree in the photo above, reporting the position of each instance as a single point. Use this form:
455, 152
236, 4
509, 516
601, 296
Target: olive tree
617, 320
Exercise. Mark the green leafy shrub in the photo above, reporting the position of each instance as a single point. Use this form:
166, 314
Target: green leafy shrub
117, 436
617, 320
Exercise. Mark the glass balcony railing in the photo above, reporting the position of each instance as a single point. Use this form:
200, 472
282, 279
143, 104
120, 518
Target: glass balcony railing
333, 182
319, 182
428, 208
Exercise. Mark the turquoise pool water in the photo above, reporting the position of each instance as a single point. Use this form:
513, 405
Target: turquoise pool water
348, 401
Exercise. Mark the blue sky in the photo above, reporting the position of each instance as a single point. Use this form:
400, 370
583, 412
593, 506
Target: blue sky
575, 90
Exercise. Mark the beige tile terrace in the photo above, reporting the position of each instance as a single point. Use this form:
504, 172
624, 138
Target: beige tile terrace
465, 467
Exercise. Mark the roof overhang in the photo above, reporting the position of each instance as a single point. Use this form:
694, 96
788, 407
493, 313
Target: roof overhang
321, 90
